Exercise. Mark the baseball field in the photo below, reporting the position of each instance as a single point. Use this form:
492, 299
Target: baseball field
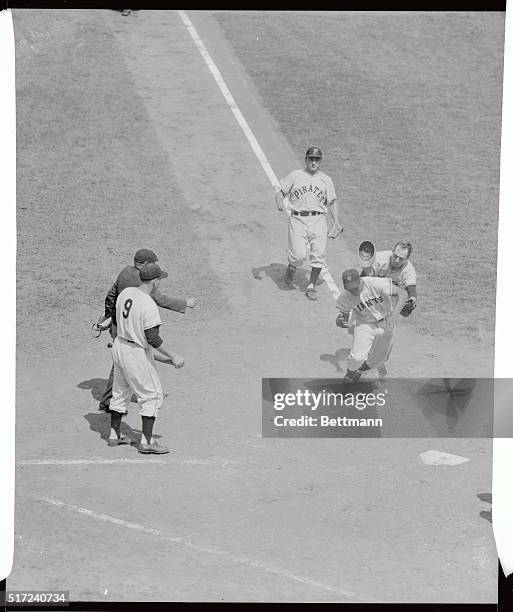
125, 141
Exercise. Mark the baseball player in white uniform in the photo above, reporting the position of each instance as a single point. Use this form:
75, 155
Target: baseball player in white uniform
310, 195
370, 303
138, 322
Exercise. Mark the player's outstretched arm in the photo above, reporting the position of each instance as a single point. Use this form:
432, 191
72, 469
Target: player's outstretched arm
170, 303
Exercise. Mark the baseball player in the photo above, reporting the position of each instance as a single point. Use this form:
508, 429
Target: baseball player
138, 323
394, 264
310, 196
370, 302
129, 277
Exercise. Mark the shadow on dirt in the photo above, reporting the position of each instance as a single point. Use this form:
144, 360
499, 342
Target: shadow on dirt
276, 272
100, 424
336, 359
450, 400
96, 385
487, 498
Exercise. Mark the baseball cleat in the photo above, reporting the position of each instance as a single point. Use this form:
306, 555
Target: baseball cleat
289, 275
153, 449
352, 377
118, 441
311, 293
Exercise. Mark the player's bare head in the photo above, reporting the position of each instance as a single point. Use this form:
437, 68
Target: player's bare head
313, 159
351, 281
151, 273
400, 253
143, 256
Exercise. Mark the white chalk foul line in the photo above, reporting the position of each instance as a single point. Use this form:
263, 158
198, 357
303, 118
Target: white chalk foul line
248, 132
204, 549
175, 460
86, 461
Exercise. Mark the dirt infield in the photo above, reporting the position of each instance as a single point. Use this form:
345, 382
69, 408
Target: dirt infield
133, 145
386, 94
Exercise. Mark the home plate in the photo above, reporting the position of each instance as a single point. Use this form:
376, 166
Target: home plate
434, 457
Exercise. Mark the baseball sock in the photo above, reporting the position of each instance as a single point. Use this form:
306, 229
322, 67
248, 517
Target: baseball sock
147, 429
364, 367
314, 275
115, 425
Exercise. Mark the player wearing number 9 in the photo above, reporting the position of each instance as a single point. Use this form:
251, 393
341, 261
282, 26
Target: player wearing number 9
129, 277
138, 321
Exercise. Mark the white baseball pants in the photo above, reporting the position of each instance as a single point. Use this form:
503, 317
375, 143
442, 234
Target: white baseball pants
371, 343
303, 231
134, 372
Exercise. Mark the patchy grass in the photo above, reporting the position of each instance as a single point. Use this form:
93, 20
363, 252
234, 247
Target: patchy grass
407, 110
94, 183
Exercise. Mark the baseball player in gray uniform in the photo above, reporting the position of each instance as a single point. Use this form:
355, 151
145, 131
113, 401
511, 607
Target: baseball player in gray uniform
308, 195
368, 309
396, 265
138, 323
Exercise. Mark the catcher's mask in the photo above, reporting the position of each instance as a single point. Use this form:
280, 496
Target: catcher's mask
97, 328
366, 253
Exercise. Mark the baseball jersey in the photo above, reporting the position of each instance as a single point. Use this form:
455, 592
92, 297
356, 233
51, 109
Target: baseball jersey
402, 277
136, 311
374, 302
308, 192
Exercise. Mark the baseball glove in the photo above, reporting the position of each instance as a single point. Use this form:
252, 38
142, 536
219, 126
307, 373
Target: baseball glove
341, 322
408, 308
335, 230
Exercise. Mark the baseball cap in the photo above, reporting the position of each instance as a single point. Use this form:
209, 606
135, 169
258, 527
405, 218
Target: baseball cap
314, 152
350, 278
151, 271
143, 255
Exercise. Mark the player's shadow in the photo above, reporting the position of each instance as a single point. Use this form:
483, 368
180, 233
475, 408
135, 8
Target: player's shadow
276, 272
96, 385
449, 399
336, 359
487, 498
100, 423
